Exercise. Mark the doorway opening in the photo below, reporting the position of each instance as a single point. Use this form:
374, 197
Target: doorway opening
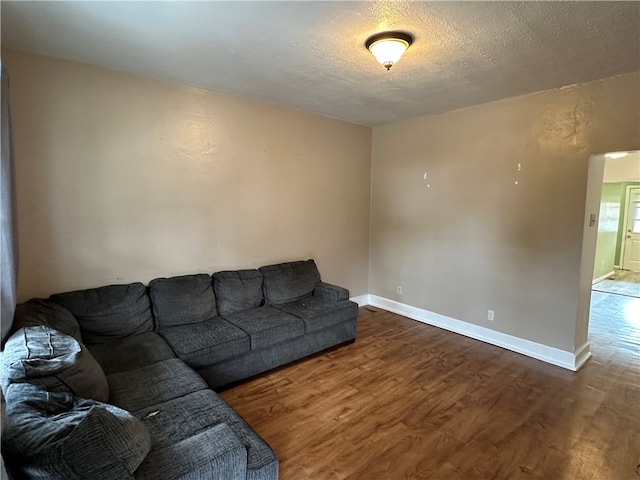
609, 298
617, 250
626, 274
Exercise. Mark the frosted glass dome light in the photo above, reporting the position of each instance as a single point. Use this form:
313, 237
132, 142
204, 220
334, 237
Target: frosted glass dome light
388, 47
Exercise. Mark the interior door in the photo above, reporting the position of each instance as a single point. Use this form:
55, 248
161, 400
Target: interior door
631, 253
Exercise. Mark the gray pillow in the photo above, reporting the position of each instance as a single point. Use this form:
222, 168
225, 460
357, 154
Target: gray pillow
288, 282
105, 313
39, 311
57, 436
237, 290
182, 300
59, 363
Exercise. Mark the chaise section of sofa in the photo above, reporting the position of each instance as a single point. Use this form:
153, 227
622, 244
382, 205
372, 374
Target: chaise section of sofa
190, 432
135, 366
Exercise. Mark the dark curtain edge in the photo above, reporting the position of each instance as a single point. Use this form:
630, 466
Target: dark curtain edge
8, 241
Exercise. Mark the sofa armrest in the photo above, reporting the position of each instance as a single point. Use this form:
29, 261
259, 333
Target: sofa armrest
329, 292
213, 453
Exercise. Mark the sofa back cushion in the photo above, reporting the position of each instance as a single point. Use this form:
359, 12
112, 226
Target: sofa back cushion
61, 437
57, 362
40, 311
182, 300
105, 313
237, 290
287, 282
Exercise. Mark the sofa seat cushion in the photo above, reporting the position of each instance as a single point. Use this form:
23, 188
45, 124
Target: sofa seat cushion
105, 313
182, 300
59, 363
166, 380
175, 420
205, 343
59, 436
237, 290
288, 282
130, 353
267, 326
39, 311
318, 314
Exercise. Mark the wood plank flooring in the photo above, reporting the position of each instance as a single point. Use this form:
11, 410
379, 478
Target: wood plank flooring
409, 401
622, 282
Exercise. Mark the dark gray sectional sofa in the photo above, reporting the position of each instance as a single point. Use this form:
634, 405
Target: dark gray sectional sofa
117, 382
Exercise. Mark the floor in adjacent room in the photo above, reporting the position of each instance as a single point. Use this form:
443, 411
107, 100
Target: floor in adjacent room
410, 401
622, 282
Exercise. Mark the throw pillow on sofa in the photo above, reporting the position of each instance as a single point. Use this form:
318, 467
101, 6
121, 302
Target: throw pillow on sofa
39, 311
182, 300
59, 436
105, 313
288, 282
59, 363
237, 290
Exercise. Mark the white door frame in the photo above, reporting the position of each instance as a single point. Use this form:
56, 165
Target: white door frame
588, 255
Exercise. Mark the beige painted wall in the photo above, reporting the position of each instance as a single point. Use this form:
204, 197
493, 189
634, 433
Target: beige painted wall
122, 178
469, 238
625, 169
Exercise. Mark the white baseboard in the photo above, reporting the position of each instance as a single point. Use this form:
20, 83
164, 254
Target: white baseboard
361, 300
561, 358
581, 355
603, 277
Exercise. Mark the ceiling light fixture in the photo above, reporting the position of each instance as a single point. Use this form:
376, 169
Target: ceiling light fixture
388, 47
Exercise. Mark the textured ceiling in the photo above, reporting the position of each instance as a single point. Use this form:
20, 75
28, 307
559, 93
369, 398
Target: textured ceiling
310, 55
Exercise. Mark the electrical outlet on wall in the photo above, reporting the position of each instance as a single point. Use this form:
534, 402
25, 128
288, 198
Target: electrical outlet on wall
490, 315
399, 290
